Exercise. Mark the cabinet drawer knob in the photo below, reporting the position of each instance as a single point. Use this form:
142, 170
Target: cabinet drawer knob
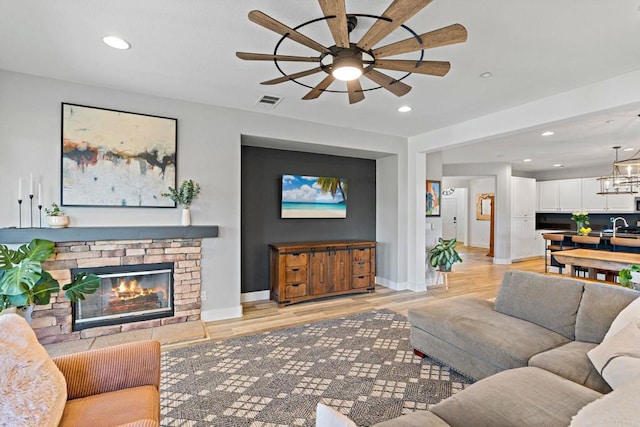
296, 285
360, 277
295, 269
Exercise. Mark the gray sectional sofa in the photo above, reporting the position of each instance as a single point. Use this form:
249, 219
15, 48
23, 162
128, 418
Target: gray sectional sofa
528, 349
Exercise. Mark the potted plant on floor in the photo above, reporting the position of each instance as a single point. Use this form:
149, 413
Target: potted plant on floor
188, 191
444, 254
24, 283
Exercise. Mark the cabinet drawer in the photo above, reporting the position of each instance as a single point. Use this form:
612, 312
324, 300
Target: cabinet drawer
360, 254
292, 260
362, 281
359, 268
296, 274
295, 290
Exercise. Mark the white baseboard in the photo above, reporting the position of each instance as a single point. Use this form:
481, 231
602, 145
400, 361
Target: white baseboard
221, 314
390, 284
255, 296
503, 261
479, 245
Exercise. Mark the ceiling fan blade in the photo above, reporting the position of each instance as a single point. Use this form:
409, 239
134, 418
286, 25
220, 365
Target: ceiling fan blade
395, 87
320, 87
337, 25
292, 76
268, 57
432, 68
355, 91
399, 12
271, 24
452, 34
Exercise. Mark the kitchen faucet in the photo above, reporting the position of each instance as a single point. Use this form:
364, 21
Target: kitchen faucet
614, 220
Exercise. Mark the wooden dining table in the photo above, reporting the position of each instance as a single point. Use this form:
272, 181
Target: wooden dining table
595, 260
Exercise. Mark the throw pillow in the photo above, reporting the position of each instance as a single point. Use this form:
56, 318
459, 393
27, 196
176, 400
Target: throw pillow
626, 316
33, 391
329, 417
619, 408
617, 358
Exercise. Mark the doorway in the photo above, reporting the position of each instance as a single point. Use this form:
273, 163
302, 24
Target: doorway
454, 214
449, 218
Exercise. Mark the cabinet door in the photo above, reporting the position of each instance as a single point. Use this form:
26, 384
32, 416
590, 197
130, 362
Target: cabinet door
570, 195
340, 273
319, 278
591, 200
620, 202
523, 197
549, 196
523, 238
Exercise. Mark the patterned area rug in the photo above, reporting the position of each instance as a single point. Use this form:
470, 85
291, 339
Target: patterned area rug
361, 365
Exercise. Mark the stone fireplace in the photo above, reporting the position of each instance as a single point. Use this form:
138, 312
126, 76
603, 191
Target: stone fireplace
127, 293
55, 322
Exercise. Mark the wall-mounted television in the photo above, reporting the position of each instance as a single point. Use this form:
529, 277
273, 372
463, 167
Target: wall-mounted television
313, 197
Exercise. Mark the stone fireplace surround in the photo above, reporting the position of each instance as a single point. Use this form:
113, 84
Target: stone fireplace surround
52, 323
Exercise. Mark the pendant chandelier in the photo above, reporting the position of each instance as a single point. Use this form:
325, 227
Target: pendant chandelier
624, 178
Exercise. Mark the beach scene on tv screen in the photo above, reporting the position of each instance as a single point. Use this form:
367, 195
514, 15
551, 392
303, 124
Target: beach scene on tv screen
313, 197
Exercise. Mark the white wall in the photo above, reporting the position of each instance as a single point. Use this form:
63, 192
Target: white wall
387, 212
433, 225
479, 231
208, 151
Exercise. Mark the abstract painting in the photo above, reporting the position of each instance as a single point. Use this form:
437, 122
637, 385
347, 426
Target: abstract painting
313, 197
116, 158
433, 198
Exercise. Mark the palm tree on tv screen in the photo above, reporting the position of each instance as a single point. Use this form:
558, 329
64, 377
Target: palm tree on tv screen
332, 185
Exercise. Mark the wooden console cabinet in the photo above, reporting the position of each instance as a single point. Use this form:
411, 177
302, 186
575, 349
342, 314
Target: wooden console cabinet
309, 270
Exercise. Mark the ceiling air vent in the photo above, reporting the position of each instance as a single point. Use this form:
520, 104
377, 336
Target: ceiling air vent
268, 101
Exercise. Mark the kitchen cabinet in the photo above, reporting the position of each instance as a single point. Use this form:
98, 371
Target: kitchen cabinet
523, 218
310, 270
594, 203
564, 195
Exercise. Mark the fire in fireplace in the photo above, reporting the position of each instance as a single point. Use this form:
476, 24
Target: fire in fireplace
128, 293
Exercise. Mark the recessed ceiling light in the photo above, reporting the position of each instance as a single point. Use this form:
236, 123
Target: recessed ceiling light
486, 75
405, 109
548, 133
527, 160
558, 165
629, 149
116, 42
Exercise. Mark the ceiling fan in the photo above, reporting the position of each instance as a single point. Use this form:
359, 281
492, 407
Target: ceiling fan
349, 61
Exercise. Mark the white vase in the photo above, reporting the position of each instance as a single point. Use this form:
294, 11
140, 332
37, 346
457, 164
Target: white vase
59, 221
186, 217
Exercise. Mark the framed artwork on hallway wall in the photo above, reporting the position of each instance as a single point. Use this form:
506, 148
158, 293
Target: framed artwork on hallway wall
116, 159
433, 197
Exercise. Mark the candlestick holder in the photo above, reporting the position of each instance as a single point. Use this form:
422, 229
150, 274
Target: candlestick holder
31, 210
40, 214
19, 213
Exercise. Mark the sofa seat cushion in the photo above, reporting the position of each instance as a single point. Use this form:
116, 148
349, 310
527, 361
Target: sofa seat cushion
549, 301
415, 419
113, 408
517, 397
570, 361
471, 325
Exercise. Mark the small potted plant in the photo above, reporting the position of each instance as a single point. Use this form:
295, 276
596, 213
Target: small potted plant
444, 254
24, 283
184, 196
56, 217
630, 277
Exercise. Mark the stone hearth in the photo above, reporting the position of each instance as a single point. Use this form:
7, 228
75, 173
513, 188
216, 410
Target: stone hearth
53, 322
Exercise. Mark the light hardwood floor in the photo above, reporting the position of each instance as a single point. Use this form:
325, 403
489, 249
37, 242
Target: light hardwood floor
476, 275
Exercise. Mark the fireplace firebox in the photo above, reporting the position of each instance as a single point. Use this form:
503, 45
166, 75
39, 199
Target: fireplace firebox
128, 293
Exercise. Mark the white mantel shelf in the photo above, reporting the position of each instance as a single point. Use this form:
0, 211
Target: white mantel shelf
75, 234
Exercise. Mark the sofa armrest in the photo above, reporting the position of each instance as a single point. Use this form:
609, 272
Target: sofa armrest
111, 368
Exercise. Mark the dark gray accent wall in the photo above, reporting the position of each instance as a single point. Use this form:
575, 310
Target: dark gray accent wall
262, 170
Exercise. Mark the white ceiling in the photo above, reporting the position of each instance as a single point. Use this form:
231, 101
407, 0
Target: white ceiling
186, 50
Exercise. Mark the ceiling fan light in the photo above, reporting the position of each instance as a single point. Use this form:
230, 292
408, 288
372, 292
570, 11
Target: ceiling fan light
116, 42
347, 68
347, 73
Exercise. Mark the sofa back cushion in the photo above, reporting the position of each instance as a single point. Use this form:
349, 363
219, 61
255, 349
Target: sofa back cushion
600, 304
548, 301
